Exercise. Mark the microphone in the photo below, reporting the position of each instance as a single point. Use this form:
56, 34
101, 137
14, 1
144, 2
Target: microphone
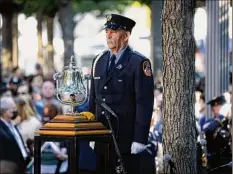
167, 158
224, 165
106, 107
121, 168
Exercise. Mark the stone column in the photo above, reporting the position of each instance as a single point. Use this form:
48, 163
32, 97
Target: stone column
217, 54
156, 35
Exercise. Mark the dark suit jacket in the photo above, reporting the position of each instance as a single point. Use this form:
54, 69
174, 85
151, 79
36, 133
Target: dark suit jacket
9, 149
128, 91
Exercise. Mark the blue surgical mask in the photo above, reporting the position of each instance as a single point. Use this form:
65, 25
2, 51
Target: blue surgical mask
15, 114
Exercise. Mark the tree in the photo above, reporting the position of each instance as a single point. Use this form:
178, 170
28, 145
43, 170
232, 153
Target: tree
15, 48
66, 8
179, 139
100, 6
43, 9
8, 9
40, 56
66, 15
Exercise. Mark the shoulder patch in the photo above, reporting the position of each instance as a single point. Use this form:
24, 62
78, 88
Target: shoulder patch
146, 68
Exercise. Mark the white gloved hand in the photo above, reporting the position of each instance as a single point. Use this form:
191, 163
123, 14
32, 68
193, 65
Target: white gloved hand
137, 148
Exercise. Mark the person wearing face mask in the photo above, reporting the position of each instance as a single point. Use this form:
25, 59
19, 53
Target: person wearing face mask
13, 85
122, 79
12, 147
35, 85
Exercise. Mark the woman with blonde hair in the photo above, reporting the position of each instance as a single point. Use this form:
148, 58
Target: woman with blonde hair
29, 122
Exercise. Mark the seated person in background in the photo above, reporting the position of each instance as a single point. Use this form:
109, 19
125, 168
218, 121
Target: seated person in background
50, 111
12, 147
199, 106
35, 85
5, 92
14, 84
54, 157
39, 69
29, 122
48, 97
23, 92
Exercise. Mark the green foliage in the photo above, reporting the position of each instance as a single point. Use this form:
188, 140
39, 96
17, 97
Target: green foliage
10, 7
50, 7
102, 6
146, 2
47, 7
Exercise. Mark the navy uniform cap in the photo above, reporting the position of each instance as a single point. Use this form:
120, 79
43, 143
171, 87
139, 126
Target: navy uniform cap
116, 21
220, 100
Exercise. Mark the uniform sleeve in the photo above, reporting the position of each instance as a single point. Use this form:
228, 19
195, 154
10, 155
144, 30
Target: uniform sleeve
213, 124
91, 103
144, 90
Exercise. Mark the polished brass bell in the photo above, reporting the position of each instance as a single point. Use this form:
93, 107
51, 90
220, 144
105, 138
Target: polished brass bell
70, 87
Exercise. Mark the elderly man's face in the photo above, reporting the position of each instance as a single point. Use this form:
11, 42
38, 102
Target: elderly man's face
116, 39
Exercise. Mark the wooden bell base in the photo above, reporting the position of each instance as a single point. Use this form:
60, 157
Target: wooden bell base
70, 125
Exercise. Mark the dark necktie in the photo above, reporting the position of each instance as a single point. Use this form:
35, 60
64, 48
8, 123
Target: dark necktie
112, 64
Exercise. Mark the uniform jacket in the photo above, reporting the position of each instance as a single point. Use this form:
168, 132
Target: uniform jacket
128, 91
9, 149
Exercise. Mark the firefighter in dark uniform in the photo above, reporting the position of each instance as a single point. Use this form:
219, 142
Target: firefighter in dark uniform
218, 134
122, 79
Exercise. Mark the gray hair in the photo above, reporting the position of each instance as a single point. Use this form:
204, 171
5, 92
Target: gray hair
5, 103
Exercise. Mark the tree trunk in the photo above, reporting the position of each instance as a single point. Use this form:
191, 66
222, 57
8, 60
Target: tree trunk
49, 47
40, 57
7, 41
67, 24
15, 49
179, 139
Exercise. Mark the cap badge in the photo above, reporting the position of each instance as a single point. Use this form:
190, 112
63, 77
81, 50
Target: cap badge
109, 17
119, 66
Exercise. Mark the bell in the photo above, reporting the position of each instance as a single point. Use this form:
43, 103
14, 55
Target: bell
70, 88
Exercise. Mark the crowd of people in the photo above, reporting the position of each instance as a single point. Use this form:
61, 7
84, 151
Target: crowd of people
27, 102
